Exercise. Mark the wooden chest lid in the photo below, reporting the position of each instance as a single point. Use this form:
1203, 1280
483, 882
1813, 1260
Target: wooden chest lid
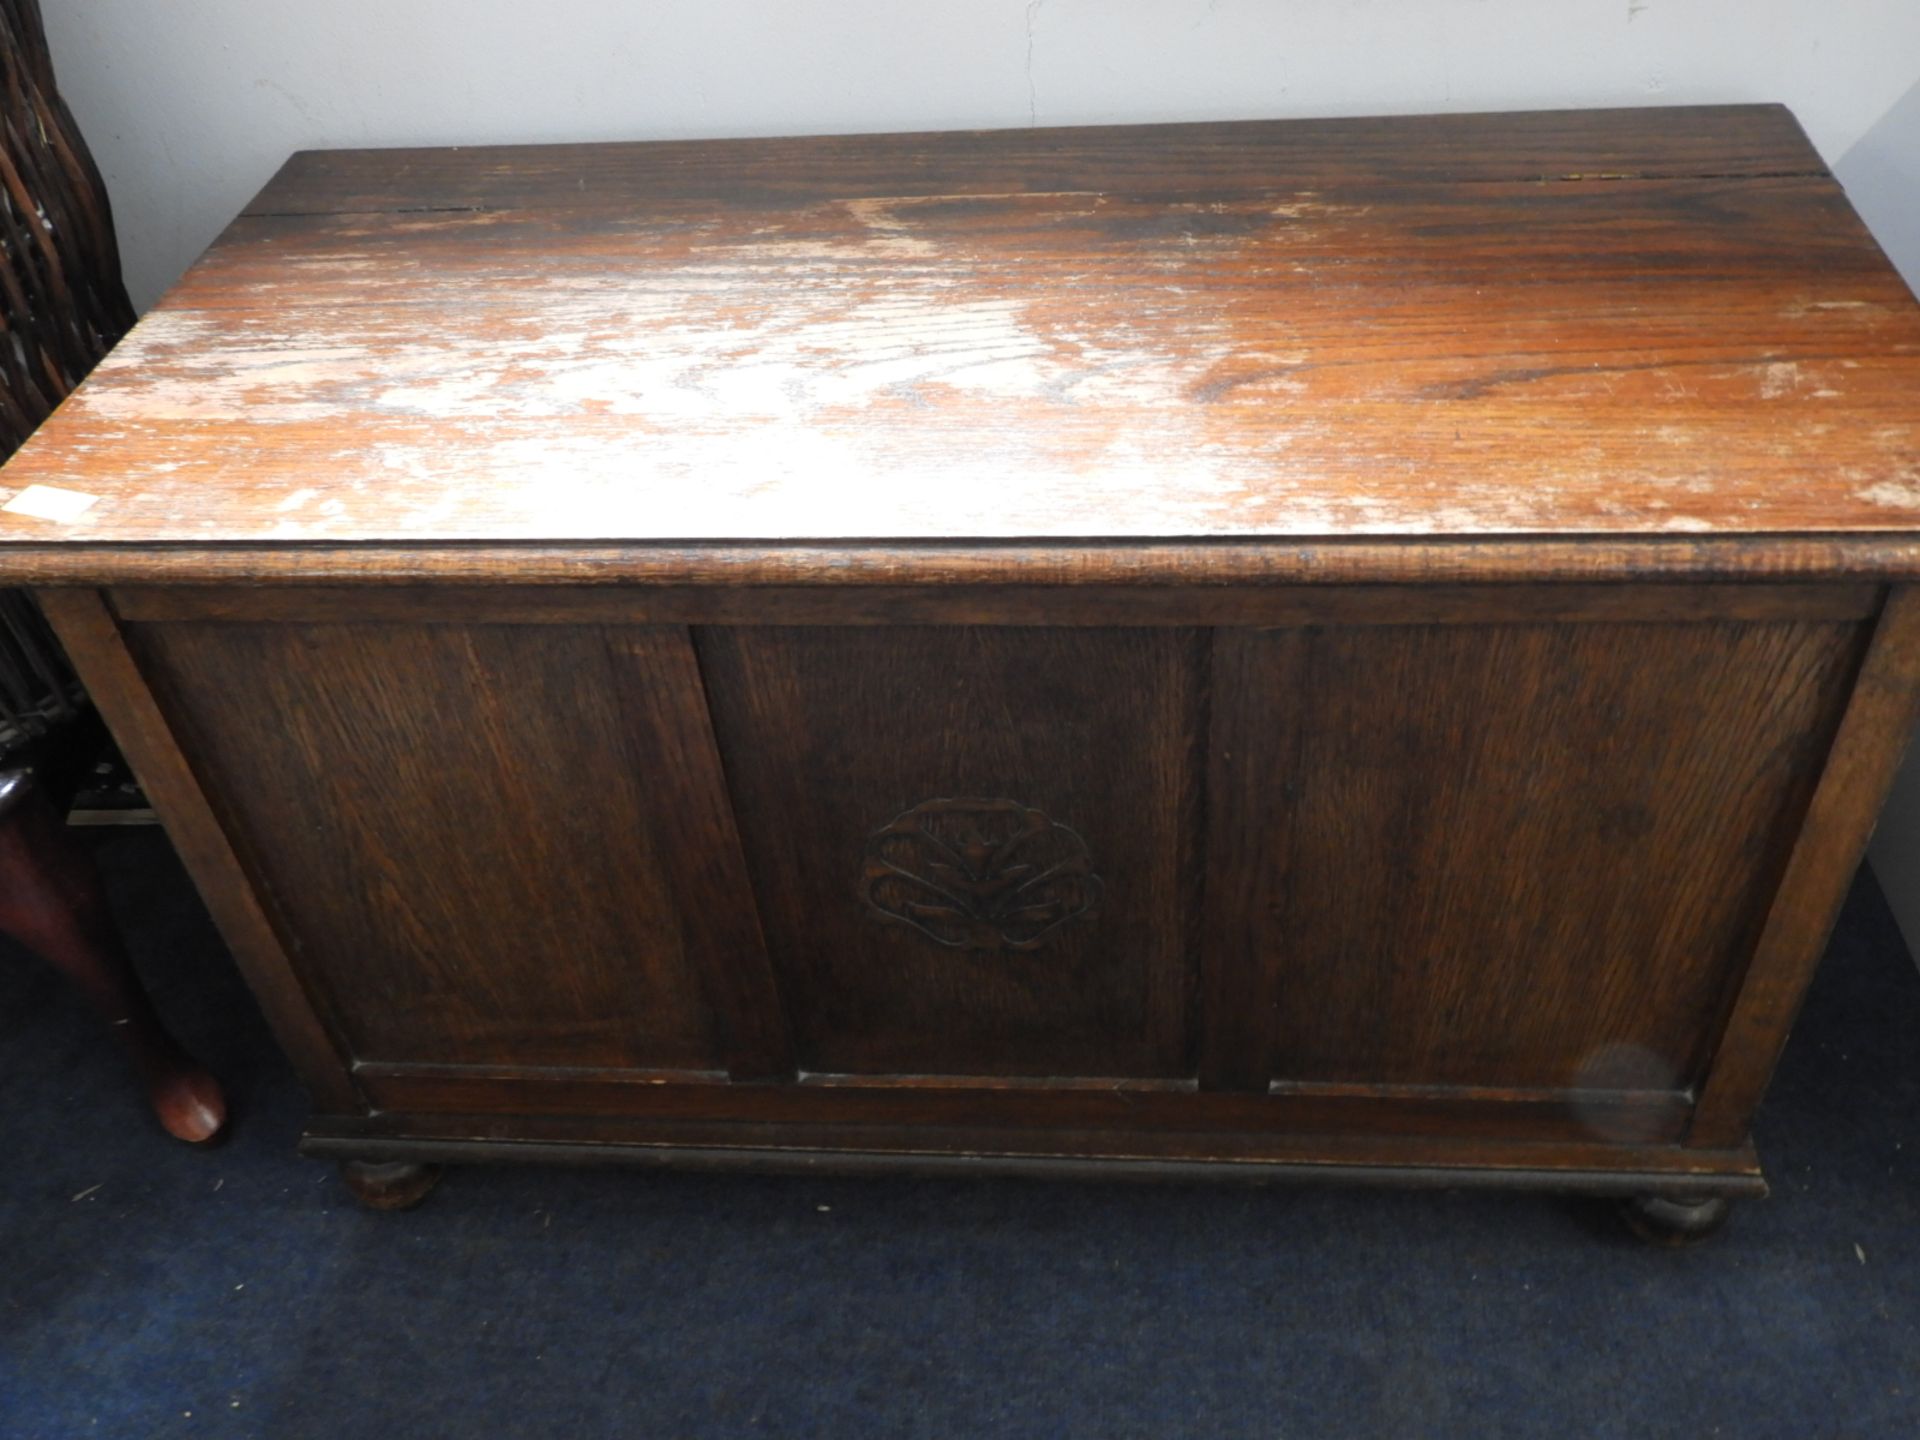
1608, 325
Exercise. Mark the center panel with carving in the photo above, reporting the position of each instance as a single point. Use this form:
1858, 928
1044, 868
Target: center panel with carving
972, 847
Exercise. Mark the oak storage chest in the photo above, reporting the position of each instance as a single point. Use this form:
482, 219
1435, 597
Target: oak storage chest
1362, 648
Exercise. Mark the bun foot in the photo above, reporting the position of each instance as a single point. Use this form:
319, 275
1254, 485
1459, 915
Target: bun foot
389, 1184
1664, 1220
189, 1104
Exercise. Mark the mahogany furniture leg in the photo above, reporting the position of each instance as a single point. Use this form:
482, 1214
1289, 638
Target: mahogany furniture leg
1673, 1222
51, 901
389, 1184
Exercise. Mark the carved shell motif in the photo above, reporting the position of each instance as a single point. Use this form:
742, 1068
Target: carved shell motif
980, 874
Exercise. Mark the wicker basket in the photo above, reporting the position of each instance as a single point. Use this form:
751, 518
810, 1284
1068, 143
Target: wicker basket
63, 305
62, 302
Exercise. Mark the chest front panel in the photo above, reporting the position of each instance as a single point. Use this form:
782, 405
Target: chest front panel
1495, 860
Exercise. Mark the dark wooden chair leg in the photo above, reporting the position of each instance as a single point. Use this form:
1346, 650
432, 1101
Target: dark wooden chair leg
389, 1184
52, 902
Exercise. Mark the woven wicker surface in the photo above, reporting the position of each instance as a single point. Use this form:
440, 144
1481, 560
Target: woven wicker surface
62, 302
62, 306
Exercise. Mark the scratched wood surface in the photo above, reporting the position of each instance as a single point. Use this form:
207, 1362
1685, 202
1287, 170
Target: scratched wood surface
1649, 323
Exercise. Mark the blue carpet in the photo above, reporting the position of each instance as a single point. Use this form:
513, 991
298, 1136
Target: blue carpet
151, 1290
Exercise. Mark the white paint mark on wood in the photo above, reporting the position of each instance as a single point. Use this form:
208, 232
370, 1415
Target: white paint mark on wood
1902, 494
1780, 378
50, 502
892, 235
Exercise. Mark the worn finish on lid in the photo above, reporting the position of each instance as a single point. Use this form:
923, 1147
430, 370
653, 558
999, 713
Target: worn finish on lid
1647, 323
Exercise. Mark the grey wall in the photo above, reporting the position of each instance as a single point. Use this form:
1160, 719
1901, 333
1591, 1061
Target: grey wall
191, 104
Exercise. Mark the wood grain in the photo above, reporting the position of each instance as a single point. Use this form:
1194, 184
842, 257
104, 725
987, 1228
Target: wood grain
507, 887
1028, 605
1352, 647
1256, 732
1053, 1153
829, 734
1831, 844
1668, 142
1119, 1106
1518, 855
689, 814
116, 685
1790, 558
1277, 331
